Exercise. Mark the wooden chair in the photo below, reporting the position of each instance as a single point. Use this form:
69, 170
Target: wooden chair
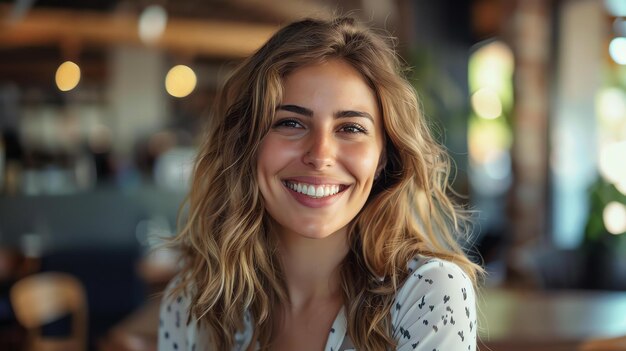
45, 297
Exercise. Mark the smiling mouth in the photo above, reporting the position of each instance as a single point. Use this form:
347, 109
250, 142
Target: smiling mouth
315, 191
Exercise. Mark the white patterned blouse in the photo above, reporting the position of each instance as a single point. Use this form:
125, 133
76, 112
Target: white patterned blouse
435, 309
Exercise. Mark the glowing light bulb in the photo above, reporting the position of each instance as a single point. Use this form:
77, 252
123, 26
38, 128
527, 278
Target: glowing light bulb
486, 103
67, 76
611, 105
152, 23
612, 165
617, 50
180, 81
614, 217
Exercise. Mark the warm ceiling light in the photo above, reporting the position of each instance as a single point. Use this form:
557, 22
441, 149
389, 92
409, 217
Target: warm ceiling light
486, 103
67, 76
180, 81
152, 23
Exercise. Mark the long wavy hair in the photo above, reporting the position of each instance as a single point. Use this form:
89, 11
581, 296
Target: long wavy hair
231, 261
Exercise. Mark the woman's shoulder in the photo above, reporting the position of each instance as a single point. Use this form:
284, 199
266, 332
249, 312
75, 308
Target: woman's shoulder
421, 265
428, 275
433, 284
435, 306
175, 301
174, 292
178, 328
175, 332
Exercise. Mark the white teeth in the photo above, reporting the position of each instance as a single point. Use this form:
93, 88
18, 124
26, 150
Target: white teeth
319, 192
312, 190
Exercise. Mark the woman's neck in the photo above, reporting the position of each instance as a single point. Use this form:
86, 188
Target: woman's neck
312, 267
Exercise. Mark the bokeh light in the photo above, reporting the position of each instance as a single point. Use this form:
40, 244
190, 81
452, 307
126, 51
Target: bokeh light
67, 76
614, 217
617, 50
486, 103
491, 66
612, 162
487, 138
616, 8
180, 81
611, 105
152, 23
621, 187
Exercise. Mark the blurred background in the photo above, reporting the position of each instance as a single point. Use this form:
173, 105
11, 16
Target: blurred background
102, 104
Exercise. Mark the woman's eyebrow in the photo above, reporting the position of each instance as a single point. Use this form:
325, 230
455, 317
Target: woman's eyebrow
309, 113
296, 109
351, 113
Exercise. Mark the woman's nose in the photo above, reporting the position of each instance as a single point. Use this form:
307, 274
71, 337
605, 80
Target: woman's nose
320, 151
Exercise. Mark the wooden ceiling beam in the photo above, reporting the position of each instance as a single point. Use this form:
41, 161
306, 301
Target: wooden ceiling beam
190, 36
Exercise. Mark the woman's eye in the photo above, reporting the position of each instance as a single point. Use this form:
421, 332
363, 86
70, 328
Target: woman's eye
353, 129
288, 123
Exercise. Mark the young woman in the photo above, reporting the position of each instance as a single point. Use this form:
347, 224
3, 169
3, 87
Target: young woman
318, 212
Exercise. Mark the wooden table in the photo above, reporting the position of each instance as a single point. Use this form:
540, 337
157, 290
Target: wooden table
558, 320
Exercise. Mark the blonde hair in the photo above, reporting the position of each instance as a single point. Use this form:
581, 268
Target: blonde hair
230, 258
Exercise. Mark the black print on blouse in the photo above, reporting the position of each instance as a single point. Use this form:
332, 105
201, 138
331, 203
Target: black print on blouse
421, 304
431, 307
405, 333
332, 330
471, 326
177, 319
398, 306
452, 321
414, 346
435, 328
450, 276
464, 293
461, 335
429, 281
167, 335
449, 309
446, 298
425, 322
175, 346
467, 312
444, 319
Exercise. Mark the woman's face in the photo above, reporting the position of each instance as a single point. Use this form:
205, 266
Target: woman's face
317, 164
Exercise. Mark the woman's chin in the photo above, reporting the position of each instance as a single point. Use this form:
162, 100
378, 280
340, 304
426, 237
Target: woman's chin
315, 232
